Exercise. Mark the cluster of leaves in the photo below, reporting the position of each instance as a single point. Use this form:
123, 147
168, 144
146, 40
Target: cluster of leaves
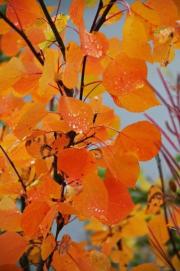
63, 152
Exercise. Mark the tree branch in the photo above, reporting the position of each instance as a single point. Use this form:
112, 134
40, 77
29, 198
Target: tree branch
14, 168
53, 27
96, 25
102, 19
24, 37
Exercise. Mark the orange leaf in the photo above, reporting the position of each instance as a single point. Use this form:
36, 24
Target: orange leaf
77, 114
92, 201
76, 12
166, 9
124, 74
23, 13
48, 246
158, 229
10, 220
119, 201
73, 64
135, 38
12, 247
10, 72
141, 138
6, 43
62, 262
32, 217
29, 116
75, 163
93, 44
139, 100
123, 166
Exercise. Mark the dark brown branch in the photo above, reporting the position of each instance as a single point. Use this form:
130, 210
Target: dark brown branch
53, 27
96, 25
159, 166
82, 77
100, 6
24, 37
14, 168
102, 19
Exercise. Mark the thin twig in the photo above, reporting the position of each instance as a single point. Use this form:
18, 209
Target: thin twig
82, 77
96, 25
53, 27
159, 166
14, 168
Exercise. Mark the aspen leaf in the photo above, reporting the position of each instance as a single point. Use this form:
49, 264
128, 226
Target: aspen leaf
49, 74
135, 225
155, 199
6, 43
93, 200
13, 246
9, 104
166, 9
10, 216
76, 114
119, 201
119, 164
30, 115
75, 163
10, 72
99, 261
93, 44
145, 12
4, 27
124, 74
76, 12
141, 138
73, 64
135, 39
48, 246
63, 262
158, 229
23, 13
139, 100
33, 216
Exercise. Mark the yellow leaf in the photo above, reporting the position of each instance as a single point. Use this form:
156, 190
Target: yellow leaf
48, 246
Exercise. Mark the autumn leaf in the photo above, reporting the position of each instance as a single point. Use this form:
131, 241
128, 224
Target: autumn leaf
48, 246
142, 138
13, 246
23, 13
124, 74
36, 210
119, 201
75, 163
77, 115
